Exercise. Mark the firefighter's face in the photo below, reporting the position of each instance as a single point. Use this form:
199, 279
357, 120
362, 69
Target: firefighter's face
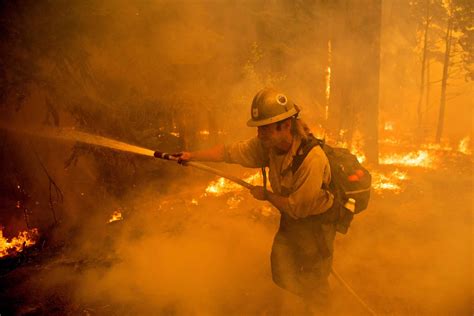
272, 135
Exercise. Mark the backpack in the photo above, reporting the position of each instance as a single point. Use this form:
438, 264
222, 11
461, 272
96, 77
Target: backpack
349, 179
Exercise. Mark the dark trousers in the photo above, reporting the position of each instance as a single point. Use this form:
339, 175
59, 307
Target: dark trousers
301, 257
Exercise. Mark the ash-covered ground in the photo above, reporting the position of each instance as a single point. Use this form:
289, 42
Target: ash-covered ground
182, 251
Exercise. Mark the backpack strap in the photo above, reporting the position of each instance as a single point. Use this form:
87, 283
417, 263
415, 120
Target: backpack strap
303, 151
304, 148
264, 176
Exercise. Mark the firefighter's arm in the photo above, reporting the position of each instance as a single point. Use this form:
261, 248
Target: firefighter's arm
247, 153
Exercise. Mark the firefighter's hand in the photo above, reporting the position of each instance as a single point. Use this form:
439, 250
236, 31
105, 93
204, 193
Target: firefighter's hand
182, 157
259, 193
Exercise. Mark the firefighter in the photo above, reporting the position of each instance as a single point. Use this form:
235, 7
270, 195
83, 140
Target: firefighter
301, 256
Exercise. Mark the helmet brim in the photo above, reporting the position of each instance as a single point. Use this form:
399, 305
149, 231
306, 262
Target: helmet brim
271, 120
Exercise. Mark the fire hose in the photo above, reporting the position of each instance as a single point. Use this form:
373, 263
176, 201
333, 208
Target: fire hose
197, 165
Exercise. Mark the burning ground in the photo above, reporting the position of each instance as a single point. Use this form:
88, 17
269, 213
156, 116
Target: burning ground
201, 246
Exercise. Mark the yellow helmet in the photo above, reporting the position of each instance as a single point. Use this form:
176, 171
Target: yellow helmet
270, 106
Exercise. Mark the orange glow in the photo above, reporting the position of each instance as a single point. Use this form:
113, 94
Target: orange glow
116, 216
222, 186
464, 146
355, 150
390, 141
420, 158
434, 146
388, 182
388, 126
16, 244
328, 81
204, 132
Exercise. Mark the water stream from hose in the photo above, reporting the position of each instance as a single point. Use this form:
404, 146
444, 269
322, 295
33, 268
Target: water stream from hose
71, 134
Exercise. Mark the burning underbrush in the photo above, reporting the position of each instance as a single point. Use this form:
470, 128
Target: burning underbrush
15, 245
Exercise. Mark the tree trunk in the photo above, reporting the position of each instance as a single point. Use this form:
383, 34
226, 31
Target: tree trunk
371, 71
428, 84
442, 103
423, 64
356, 67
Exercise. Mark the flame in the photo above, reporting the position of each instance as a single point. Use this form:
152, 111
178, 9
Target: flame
222, 186
116, 216
204, 132
390, 141
464, 146
357, 145
436, 146
420, 158
358, 153
328, 81
24, 239
391, 182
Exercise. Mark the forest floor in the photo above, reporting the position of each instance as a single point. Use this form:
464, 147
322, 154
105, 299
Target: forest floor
188, 253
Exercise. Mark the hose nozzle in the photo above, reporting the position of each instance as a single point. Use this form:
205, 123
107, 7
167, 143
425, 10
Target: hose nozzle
162, 155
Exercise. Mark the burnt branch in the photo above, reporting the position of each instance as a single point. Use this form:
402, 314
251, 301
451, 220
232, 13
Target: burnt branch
53, 188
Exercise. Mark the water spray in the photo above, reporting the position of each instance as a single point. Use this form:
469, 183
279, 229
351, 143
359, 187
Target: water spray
71, 134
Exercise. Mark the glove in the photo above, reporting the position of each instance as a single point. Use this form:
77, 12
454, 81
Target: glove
182, 157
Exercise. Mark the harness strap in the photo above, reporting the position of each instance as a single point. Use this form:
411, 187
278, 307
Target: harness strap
264, 176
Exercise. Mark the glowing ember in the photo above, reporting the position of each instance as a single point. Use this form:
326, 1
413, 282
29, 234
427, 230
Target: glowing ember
267, 210
420, 158
222, 186
391, 182
388, 126
234, 201
464, 146
342, 132
116, 216
16, 244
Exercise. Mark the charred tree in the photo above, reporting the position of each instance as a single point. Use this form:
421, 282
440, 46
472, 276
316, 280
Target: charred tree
371, 116
423, 70
356, 60
342, 114
428, 84
444, 81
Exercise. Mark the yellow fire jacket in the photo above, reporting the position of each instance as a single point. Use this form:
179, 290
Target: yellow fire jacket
303, 189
